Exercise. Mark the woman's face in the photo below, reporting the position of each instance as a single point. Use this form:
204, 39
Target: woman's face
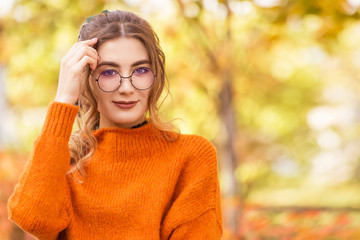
126, 106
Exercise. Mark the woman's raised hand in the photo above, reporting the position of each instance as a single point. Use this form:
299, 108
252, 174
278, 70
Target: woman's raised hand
73, 63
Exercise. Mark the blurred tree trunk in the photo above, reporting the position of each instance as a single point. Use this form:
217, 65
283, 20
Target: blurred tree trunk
227, 152
231, 191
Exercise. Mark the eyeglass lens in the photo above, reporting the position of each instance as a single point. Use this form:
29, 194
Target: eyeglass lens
142, 78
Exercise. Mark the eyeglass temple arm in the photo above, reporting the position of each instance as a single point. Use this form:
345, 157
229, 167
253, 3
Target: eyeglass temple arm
94, 77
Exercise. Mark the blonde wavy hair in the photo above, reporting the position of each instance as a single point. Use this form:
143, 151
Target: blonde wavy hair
106, 26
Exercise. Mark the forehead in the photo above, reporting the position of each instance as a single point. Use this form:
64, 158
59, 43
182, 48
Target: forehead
123, 51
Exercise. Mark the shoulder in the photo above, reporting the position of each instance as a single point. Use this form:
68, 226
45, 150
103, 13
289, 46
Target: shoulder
196, 146
188, 145
196, 140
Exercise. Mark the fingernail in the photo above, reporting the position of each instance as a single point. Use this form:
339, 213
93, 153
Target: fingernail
94, 39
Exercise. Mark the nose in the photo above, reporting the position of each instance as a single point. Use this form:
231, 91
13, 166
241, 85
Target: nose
126, 86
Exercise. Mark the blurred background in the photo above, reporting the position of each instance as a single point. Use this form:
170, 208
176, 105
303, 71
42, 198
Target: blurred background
274, 84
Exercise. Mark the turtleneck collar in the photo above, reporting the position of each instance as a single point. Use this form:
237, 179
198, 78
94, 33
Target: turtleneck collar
142, 128
124, 143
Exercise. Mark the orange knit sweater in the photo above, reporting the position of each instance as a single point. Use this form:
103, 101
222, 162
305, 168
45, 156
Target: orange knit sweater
138, 186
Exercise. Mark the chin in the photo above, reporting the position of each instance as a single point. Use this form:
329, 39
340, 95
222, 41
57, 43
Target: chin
113, 118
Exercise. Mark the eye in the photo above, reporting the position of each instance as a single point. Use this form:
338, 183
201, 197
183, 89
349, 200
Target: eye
141, 70
108, 73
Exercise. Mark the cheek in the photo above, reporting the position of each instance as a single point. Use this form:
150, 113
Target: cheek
101, 98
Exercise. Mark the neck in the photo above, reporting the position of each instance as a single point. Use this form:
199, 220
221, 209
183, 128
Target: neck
129, 143
103, 123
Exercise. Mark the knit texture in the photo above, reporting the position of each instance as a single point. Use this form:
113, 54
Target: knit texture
138, 185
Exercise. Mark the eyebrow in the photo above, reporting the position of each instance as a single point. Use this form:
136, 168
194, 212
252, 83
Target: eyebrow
114, 64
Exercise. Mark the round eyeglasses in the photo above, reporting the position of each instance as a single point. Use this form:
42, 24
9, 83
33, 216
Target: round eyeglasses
110, 80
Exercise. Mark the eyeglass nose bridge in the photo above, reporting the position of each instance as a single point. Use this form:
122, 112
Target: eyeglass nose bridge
124, 77
121, 80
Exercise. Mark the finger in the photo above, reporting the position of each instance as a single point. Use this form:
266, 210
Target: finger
89, 42
79, 45
79, 54
84, 62
93, 55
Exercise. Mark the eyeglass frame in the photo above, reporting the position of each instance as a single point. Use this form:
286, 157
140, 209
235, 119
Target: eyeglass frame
121, 78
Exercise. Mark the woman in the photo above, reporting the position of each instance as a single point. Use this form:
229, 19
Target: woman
121, 175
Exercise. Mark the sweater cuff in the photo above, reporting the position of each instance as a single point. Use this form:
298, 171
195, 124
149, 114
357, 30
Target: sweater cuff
59, 119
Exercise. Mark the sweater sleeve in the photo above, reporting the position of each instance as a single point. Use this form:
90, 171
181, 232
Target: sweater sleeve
40, 203
195, 212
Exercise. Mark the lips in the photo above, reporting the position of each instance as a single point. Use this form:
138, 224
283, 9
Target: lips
125, 104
